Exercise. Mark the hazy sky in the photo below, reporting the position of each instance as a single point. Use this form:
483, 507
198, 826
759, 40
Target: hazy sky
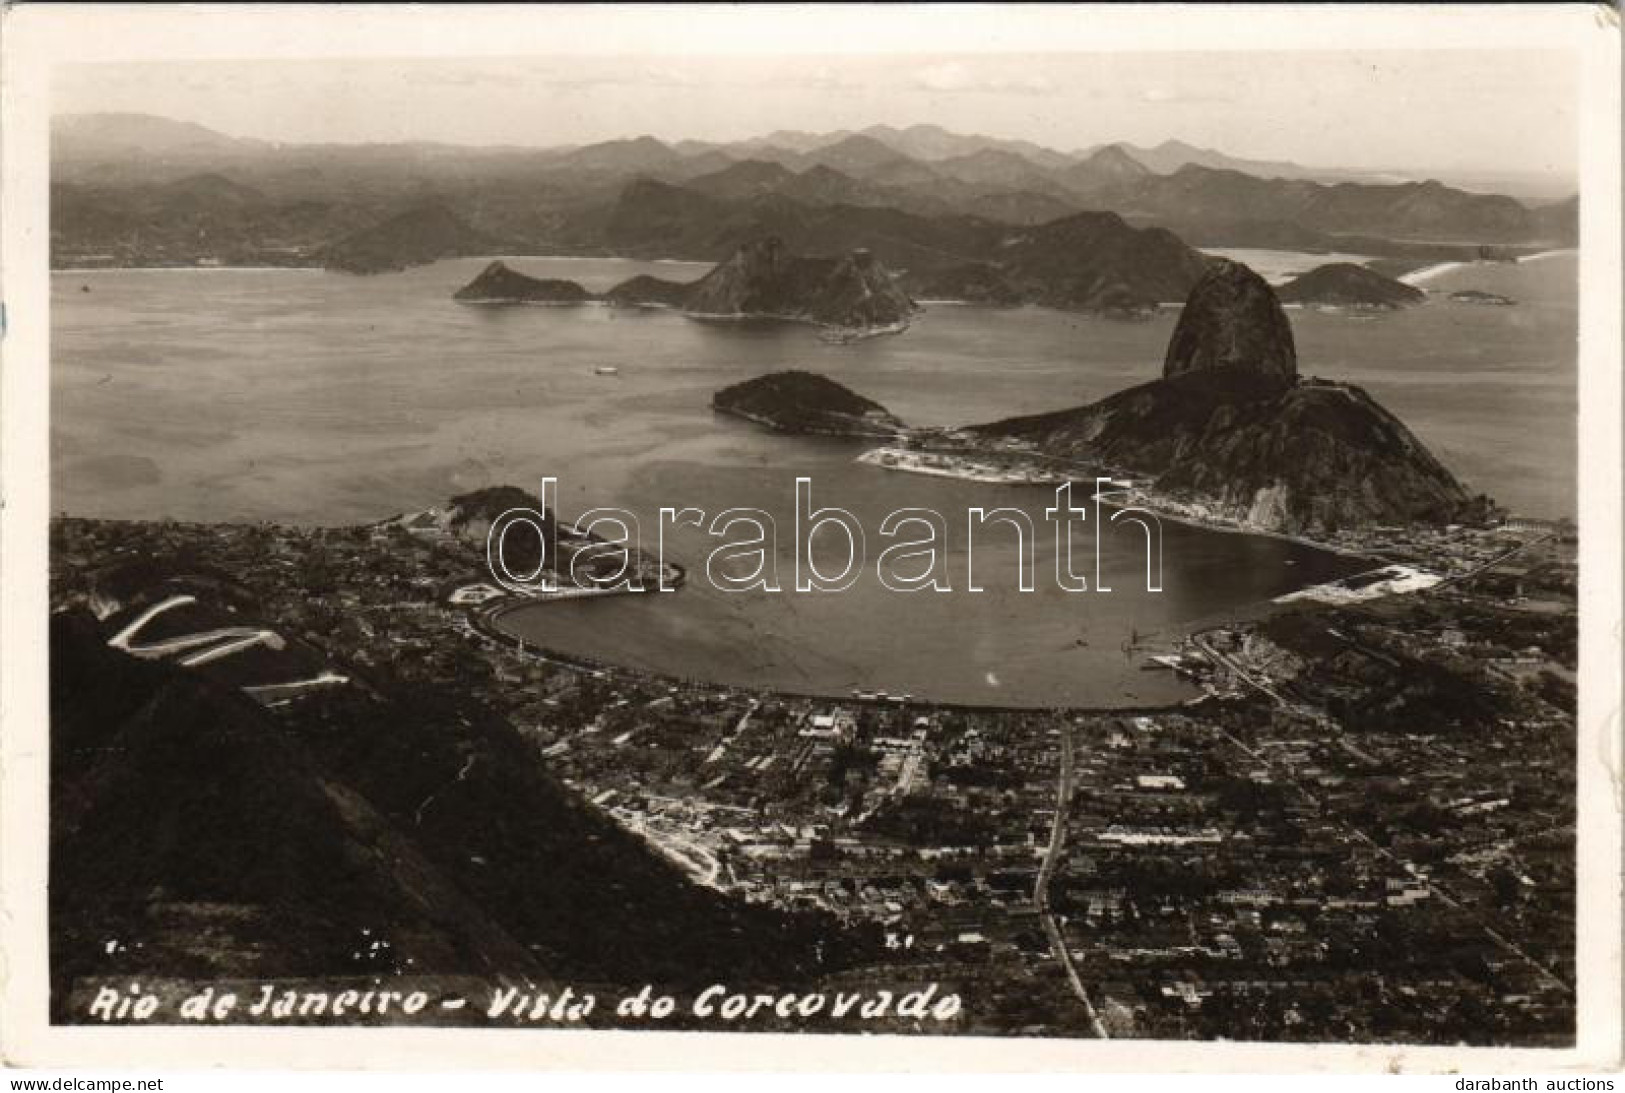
1422, 109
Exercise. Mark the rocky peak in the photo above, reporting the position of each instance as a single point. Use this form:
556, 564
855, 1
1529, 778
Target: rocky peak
1232, 320
764, 278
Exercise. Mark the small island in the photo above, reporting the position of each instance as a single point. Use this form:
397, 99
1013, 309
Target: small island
1344, 284
808, 404
498, 284
1477, 296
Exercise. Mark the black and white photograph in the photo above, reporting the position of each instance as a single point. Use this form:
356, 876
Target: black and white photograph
846, 525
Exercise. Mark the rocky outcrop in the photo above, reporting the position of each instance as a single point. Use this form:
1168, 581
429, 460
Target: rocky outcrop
498, 284
763, 279
1344, 284
1232, 321
1479, 296
805, 402
859, 293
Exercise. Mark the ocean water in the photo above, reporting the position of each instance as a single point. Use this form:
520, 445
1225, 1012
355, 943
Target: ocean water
319, 398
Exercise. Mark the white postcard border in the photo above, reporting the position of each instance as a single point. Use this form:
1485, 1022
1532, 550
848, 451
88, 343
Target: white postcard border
36, 37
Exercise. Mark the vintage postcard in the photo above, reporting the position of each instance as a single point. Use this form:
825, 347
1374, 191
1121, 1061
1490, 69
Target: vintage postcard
820, 537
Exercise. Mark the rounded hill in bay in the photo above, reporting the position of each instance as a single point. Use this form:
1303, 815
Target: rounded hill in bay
1344, 284
646, 291
807, 403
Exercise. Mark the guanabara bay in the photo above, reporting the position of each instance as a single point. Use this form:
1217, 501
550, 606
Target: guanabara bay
930, 549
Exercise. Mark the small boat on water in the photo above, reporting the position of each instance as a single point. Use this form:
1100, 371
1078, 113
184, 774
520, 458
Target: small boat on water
606, 370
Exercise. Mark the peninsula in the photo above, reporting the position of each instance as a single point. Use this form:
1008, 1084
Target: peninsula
1230, 435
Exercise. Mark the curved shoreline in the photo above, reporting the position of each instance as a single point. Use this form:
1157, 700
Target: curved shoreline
486, 622
1132, 497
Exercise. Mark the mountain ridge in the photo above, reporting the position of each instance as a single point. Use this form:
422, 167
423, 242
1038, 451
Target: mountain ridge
302, 201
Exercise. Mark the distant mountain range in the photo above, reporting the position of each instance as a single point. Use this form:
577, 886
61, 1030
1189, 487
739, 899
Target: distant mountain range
134, 189
1092, 262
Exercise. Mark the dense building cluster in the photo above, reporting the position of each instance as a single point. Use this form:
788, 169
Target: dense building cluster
1362, 830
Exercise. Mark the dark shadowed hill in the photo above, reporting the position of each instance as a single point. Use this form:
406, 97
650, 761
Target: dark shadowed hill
422, 234
202, 834
395, 828
1084, 262
972, 283
1096, 261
